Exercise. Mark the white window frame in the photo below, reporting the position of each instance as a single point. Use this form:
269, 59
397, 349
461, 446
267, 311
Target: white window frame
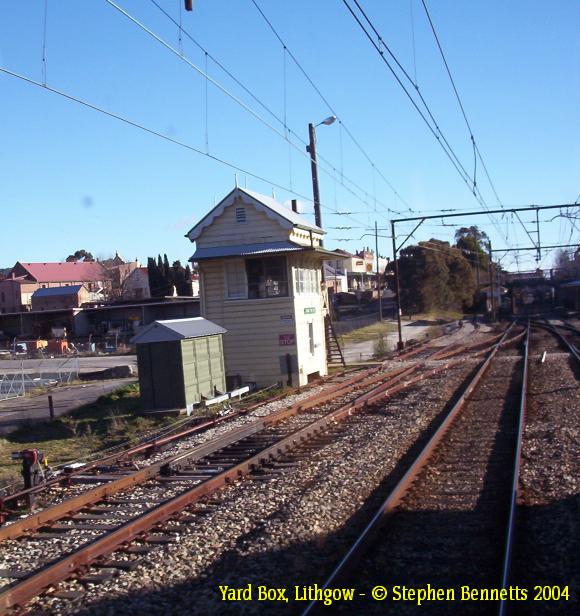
237, 268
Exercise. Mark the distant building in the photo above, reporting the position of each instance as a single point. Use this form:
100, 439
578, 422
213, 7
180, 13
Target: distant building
136, 285
354, 272
25, 278
118, 271
260, 279
57, 298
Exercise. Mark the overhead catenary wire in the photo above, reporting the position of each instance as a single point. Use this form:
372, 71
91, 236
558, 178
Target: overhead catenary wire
162, 136
285, 130
44, 26
433, 128
330, 107
477, 153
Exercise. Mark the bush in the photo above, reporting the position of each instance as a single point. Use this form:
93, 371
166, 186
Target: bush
380, 348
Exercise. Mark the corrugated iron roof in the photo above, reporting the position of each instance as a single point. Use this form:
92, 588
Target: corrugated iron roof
65, 272
56, 291
245, 250
177, 329
263, 203
248, 250
288, 213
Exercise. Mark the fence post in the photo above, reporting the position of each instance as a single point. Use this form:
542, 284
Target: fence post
51, 407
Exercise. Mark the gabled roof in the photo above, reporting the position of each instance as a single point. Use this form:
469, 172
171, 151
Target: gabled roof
172, 330
63, 272
274, 210
57, 291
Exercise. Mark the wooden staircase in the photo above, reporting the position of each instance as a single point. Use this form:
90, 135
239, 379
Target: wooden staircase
333, 351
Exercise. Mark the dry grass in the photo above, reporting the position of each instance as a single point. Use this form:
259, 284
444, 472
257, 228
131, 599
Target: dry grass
370, 332
110, 421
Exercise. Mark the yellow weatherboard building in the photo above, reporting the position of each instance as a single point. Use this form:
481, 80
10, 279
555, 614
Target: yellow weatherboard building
260, 269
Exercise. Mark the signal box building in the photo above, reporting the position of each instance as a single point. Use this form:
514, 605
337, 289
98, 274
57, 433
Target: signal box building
260, 278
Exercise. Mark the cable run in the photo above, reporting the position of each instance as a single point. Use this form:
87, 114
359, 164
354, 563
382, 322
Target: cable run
232, 96
167, 138
475, 148
330, 107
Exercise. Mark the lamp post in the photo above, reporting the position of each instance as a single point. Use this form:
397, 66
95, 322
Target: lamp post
311, 149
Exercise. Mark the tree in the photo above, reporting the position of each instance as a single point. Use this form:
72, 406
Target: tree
170, 282
434, 276
157, 284
567, 263
80, 255
474, 244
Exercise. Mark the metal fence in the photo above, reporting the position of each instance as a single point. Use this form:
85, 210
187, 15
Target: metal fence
17, 382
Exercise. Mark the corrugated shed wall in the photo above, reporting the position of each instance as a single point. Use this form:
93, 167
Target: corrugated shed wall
203, 367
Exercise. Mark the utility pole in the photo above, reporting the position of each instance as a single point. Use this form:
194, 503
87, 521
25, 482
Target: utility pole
491, 285
400, 344
477, 255
311, 149
378, 272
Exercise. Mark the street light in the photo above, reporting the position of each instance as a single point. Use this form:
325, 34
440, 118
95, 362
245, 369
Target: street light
311, 149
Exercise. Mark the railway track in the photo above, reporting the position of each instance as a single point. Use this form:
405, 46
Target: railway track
450, 520
157, 444
121, 461
97, 527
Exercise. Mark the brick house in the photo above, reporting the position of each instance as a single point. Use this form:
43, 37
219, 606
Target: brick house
25, 278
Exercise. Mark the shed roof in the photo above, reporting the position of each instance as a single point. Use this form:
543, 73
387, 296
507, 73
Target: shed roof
177, 329
58, 291
265, 204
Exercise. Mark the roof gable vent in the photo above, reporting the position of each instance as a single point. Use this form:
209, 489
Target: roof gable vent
240, 215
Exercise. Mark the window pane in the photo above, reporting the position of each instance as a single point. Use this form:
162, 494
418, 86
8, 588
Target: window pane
236, 280
267, 277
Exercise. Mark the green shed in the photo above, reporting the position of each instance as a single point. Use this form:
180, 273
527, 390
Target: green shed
179, 361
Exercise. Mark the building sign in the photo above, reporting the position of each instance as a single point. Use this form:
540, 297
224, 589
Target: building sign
309, 310
287, 319
286, 340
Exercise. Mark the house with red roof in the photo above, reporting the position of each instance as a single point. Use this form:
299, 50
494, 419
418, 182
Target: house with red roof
17, 288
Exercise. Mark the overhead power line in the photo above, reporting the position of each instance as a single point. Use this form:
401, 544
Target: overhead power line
477, 153
428, 117
237, 100
330, 107
162, 136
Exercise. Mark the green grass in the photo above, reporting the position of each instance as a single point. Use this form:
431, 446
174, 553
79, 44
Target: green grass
370, 332
110, 421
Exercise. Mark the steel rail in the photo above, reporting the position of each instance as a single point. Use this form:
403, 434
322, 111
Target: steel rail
573, 350
142, 447
20, 592
511, 524
55, 512
91, 496
149, 447
395, 496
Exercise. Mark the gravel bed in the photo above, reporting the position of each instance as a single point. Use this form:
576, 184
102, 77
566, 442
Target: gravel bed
549, 515
450, 527
279, 532
57, 494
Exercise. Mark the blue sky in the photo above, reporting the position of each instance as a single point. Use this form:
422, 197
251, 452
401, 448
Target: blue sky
72, 178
